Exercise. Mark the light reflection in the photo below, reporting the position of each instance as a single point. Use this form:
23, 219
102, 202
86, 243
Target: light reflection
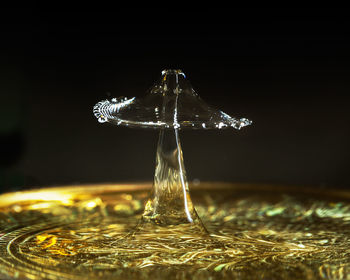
64, 198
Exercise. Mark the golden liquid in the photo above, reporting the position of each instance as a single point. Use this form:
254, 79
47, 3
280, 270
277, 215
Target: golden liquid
255, 232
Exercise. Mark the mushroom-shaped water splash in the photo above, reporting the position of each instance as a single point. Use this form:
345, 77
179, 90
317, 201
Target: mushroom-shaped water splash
170, 105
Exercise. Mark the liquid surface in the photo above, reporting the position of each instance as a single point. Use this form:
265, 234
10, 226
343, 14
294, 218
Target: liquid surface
254, 232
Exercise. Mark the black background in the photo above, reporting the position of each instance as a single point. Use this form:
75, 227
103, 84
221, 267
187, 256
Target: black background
285, 69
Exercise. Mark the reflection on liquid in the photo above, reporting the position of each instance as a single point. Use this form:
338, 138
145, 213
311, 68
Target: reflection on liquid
81, 233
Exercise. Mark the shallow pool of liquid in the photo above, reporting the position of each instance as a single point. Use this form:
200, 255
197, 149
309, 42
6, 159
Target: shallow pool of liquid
94, 232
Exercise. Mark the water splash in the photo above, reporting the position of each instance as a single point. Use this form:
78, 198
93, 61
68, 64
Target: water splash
105, 109
170, 202
170, 105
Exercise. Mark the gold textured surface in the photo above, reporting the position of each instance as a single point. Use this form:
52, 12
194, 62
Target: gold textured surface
256, 232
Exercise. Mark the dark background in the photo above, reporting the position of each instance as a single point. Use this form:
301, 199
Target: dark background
285, 69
